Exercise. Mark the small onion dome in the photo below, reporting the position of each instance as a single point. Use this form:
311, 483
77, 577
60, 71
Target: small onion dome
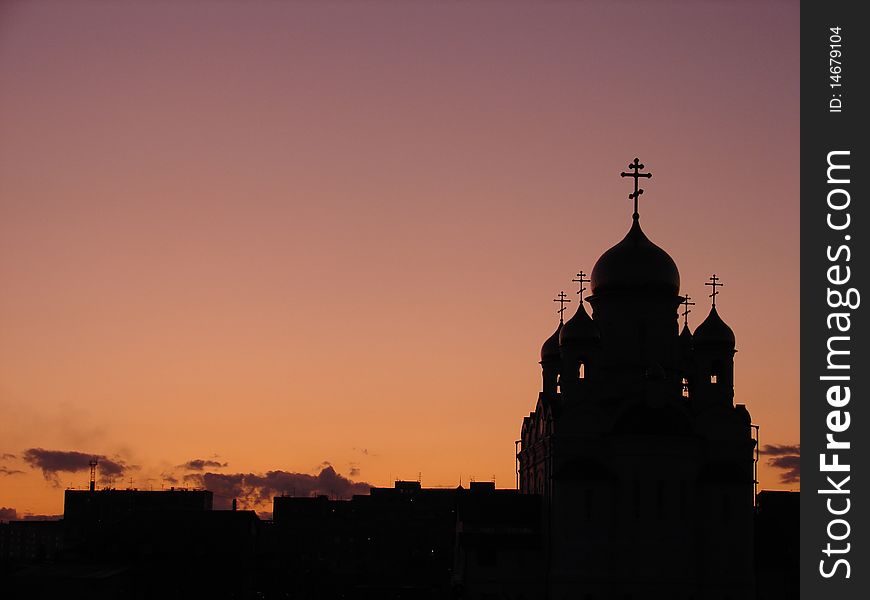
686, 337
714, 332
635, 263
579, 329
550, 349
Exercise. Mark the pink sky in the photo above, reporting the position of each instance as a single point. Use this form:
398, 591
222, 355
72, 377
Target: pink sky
285, 233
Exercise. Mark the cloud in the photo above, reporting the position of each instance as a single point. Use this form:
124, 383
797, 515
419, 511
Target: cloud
52, 462
8, 514
7, 456
365, 452
169, 478
199, 464
780, 450
8, 471
787, 458
257, 490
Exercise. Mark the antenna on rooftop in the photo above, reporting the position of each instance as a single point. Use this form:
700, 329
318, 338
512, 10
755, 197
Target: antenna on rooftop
93, 480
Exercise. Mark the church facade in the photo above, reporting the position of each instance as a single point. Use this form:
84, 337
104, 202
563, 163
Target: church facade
644, 463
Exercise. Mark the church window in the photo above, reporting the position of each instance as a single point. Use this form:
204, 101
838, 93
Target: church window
714, 378
685, 388
581, 373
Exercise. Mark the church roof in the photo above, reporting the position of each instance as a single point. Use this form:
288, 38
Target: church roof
550, 349
714, 331
686, 336
635, 263
579, 328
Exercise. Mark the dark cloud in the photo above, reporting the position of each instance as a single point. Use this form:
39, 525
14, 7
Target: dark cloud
257, 490
199, 464
8, 471
42, 517
169, 478
353, 470
787, 458
7, 456
52, 462
8, 514
780, 450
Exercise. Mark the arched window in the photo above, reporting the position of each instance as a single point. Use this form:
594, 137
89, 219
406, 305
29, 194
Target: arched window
685, 388
581, 371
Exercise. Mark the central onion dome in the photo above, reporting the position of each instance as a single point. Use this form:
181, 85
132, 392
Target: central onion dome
635, 263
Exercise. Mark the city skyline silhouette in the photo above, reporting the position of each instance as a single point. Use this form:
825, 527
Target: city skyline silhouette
221, 215
637, 475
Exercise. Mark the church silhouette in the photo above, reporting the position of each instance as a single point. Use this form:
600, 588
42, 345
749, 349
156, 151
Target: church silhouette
645, 466
635, 477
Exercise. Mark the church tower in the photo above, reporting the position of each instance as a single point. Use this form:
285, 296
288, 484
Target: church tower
644, 462
713, 345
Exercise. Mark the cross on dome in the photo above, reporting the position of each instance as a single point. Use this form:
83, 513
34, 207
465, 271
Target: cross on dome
562, 300
714, 283
581, 279
686, 310
636, 166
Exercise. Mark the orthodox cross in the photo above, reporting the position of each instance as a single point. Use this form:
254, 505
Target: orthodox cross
636, 166
562, 300
581, 279
714, 283
686, 310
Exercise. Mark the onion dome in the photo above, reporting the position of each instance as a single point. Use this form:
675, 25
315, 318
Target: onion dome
579, 329
635, 263
686, 337
550, 349
714, 332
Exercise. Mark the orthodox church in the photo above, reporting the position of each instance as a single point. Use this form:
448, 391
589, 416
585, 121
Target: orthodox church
644, 464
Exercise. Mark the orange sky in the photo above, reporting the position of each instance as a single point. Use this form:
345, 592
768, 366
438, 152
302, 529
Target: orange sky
280, 234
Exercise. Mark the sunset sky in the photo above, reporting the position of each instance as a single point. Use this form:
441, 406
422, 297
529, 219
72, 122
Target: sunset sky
274, 235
